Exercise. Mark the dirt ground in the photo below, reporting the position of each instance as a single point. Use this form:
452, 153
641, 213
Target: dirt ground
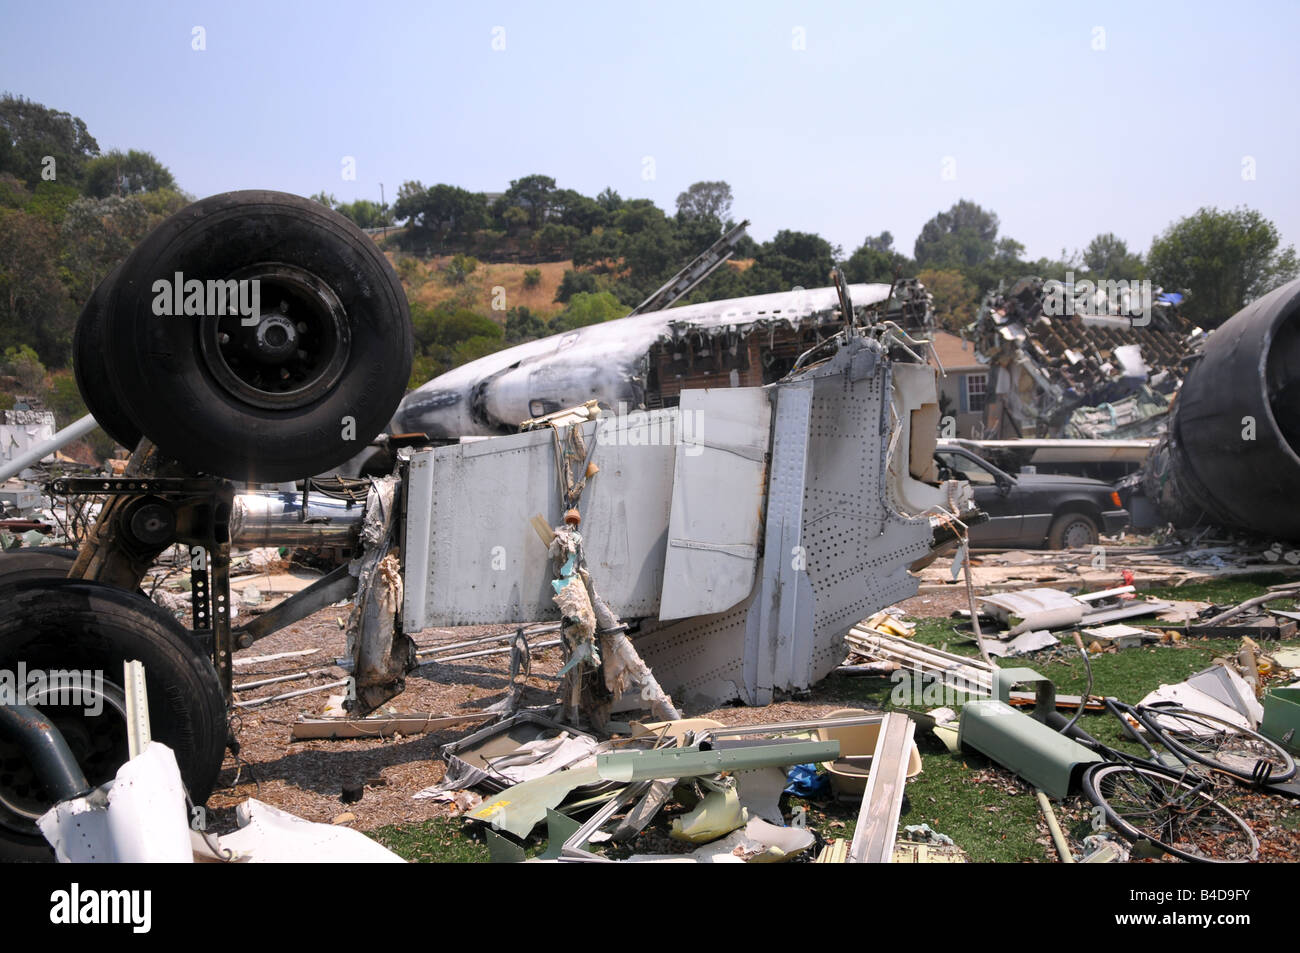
307, 777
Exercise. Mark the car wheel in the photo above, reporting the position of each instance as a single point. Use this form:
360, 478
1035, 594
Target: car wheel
1073, 531
69, 625
291, 391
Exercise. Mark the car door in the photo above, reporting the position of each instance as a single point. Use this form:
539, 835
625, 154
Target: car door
1000, 502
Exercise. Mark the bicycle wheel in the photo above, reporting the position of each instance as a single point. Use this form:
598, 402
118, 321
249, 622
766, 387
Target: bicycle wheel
1221, 745
1175, 813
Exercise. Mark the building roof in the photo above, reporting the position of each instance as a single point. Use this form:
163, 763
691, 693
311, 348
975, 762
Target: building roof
955, 353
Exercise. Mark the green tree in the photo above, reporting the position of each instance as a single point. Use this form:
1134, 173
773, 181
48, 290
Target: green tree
363, 212
97, 235
532, 277
447, 335
126, 173
609, 200
523, 325
705, 200
1223, 259
23, 363
575, 282
30, 132
534, 194
1107, 256
965, 235
794, 258
554, 240
578, 211
876, 260
459, 269
588, 308
34, 306
326, 198
440, 216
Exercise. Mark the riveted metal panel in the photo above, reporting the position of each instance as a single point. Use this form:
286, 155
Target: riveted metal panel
835, 551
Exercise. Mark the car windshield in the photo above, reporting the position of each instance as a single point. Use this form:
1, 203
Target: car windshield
965, 468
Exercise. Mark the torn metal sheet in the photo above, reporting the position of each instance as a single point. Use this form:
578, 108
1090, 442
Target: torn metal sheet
139, 818
760, 792
470, 760
712, 552
1195, 700
1022, 644
1032, 609
1118, 636
1223, 684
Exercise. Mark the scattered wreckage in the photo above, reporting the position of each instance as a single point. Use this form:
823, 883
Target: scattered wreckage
714, 544
1222, 408
713, 549
1095, 368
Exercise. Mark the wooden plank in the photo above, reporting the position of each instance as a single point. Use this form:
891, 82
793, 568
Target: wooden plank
380, 727
882, 802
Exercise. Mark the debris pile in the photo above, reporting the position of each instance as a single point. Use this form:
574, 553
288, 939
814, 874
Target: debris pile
1086, 370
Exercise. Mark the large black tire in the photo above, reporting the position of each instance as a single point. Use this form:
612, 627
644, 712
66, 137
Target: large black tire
73, 625
1073, 531
36, 562
92, 376
299, 393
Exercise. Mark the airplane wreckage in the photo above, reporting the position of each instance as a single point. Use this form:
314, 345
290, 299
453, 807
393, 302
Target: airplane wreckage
1222, 409
768, 483
719, 560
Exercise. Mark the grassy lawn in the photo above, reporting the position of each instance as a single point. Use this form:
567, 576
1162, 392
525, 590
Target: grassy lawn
983, 808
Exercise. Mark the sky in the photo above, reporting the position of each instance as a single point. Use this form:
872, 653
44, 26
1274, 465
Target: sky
845, 119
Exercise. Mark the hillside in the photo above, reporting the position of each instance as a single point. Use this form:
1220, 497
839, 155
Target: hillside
426, 283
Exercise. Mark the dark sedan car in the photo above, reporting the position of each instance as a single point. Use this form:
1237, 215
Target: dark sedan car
1032, 509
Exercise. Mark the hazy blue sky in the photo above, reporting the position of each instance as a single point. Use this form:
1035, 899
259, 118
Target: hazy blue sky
847, 136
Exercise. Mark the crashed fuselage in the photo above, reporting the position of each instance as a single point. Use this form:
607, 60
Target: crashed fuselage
612, 362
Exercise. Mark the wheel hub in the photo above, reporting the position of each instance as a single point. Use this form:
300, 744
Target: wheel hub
98, 742
295, 350
1077, 535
